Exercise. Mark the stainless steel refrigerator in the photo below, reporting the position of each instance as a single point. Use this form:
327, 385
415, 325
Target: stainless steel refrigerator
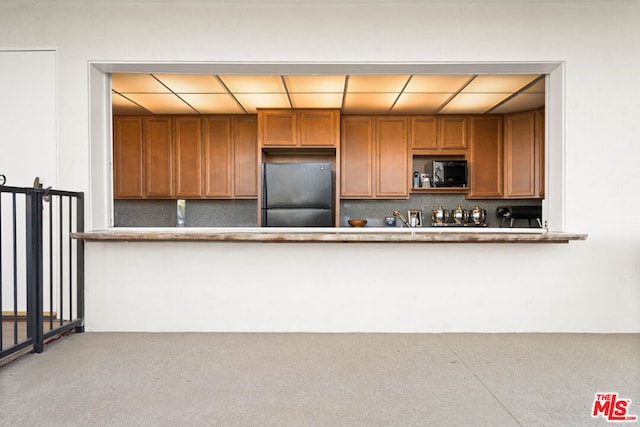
297, 195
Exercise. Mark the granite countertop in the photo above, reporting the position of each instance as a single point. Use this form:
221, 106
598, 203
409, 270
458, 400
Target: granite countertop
355, 235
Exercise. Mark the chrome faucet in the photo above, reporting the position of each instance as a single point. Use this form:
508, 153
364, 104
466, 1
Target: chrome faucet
402, 218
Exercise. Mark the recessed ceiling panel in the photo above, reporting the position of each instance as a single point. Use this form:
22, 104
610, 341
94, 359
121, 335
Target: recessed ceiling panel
252, 101
212, 103
315, 84
473, 103
316, 100
136, 83
420, 103
372, 84
192, 83
437, 83
368, 103
538, 87
121, 106
499, 83
521, 102
161, 103
253, 84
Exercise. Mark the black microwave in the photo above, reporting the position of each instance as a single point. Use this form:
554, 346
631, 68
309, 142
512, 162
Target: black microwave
449, 173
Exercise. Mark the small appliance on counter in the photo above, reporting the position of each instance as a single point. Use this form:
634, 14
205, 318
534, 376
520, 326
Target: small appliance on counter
448, 173
512, 213
458, 217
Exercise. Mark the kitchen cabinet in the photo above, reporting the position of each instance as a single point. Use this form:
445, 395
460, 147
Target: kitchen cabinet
128, 163
158, 155
230, 145
187, 139
443, 135
523, 156
299, 128
374, 157
486, 175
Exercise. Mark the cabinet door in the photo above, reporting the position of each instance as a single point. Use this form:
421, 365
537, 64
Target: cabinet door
540, 162
217, 155
520, 174
245, 157
158, 157
424, 132
278, 128
318, 128
188, 156
392, 176
356, 147
128, 166
485, 159
453, 132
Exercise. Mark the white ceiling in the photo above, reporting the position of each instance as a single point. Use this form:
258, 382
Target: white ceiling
137, 93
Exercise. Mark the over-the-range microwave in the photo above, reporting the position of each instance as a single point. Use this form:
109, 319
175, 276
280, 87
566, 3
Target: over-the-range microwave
449, 173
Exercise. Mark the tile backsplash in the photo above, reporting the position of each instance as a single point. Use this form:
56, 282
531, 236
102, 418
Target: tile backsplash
243, 213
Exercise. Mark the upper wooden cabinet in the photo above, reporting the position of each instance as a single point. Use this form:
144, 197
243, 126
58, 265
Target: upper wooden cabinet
193, 157
446, 135
187, 142
158, 155
485, 157
523, 156
374, 157
128, 163
299, 128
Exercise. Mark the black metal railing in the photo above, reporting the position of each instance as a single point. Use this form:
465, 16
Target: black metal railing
41, 267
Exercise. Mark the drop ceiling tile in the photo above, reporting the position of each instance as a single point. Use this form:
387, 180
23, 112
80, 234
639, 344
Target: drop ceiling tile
253, 84
121, 106
437, 83
212, 103
252, 101
538, 87
136, 83
420, 103
378, 83
473, 103
521, 102
368, 103
192, 83
309, 84
316, 100
161, 103
499, 83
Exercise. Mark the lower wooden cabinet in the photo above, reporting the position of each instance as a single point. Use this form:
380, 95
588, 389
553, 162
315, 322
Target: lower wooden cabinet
486, 175
374, 157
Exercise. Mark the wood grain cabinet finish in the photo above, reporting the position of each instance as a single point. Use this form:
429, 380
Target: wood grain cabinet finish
217, 156
187, 142
128, 160
158, 147
356, 151
424, 133
452, 132
523, 159
374, 157
245, 157
486, 175
391, 168
299, 128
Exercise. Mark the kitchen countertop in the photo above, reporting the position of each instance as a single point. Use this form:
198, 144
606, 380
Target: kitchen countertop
328, 235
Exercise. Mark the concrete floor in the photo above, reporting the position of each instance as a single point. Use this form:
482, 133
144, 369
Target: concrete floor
162, 379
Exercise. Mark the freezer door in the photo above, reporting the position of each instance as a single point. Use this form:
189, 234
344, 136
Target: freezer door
297, 218
297, 185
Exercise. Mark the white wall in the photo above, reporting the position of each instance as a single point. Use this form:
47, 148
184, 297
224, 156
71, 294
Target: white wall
584, 286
